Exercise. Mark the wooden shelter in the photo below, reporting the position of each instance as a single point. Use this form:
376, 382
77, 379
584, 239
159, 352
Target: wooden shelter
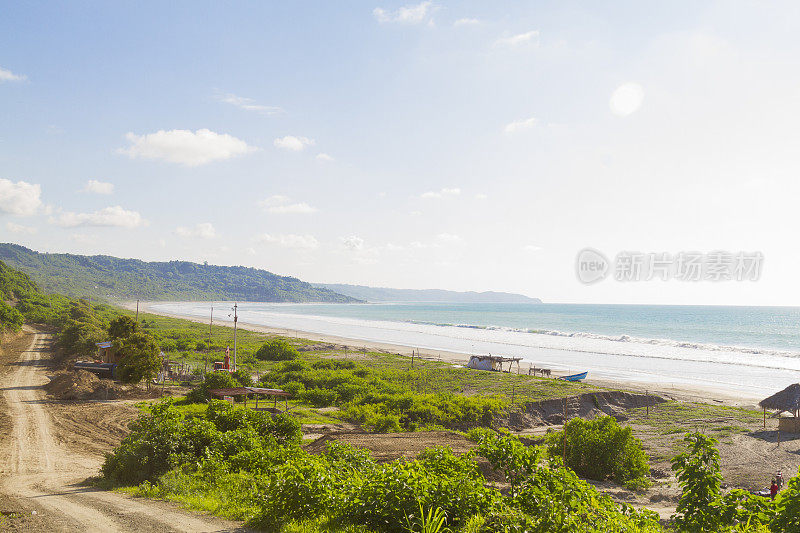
258, 392
106, 352
787, 400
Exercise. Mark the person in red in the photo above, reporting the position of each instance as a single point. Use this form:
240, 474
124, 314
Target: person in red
773, 489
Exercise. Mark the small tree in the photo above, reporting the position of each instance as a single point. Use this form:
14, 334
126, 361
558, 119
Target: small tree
122, 327
697, 470
277, 350
141, 357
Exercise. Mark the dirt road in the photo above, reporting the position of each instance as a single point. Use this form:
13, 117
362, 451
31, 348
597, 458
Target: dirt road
42, 476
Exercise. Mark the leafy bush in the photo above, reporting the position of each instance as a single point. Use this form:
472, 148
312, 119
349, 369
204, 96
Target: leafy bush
164, 439
122, 327
319, 397
551, 498
276, 350
141, 357
697, 470
788, 508
384, 497
601, 449
243, 378
213, 380
10, 318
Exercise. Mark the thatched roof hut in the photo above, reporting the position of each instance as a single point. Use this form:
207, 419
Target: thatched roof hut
786, 400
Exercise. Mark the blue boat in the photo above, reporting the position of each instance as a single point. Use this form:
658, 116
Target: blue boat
575, 377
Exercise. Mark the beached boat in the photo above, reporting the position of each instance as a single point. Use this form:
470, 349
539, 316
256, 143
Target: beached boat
575, 377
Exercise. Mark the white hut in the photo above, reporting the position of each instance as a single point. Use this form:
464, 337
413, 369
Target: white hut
492, 362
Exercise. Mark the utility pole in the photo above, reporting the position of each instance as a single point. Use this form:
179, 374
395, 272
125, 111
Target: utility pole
235, 320
208, 349
137, 310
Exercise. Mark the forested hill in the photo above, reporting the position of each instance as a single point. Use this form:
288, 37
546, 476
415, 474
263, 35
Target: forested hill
382, 294
112, 278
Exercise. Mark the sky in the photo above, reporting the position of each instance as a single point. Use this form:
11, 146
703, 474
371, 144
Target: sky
464, 145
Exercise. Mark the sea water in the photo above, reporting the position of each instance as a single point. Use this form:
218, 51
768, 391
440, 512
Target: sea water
751, 350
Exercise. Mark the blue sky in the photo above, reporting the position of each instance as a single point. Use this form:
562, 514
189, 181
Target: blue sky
467, 146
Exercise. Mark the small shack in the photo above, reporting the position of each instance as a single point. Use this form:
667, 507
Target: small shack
106, 352
787, 400
492, 362
258, 392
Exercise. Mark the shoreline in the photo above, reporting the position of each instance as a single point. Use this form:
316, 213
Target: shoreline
682, 391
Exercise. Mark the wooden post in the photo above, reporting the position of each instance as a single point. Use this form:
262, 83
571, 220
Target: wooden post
765, 417
647, 401
564, 433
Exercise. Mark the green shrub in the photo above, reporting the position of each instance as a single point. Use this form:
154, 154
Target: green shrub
697, 470
10, 318
213, 380
276, 350
600, 449
242, 377
157, 442
788, 508
319, 397
300, 488
391, 492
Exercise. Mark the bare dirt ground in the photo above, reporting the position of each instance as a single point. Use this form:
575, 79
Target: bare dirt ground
48, 450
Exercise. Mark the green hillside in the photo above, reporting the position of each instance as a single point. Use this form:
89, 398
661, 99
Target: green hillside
112, 278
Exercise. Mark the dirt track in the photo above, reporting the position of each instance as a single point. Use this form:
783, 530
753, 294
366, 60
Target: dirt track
40, 477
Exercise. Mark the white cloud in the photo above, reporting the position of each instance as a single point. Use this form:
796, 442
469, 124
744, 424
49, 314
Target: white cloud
466, 22
114, 216
20, 198
7, 75
186, 147
300, 208
275, 199
203, 230
248, 104
353, 242
441, 193
410, 14
423, 246
518, 40
324, 157
480, 196
281, 205
295, 144
19, 228
626, 99
99, 187
306, 242
448, 237
520, 125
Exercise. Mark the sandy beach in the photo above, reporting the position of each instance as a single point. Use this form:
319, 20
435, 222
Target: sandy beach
686, 391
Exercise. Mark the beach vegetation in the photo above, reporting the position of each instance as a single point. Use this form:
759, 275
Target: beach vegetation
248, 465
276, 350
601, 449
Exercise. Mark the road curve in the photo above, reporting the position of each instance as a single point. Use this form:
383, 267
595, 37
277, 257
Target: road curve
36, 468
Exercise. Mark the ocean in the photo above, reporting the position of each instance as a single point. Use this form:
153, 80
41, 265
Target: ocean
750, 350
